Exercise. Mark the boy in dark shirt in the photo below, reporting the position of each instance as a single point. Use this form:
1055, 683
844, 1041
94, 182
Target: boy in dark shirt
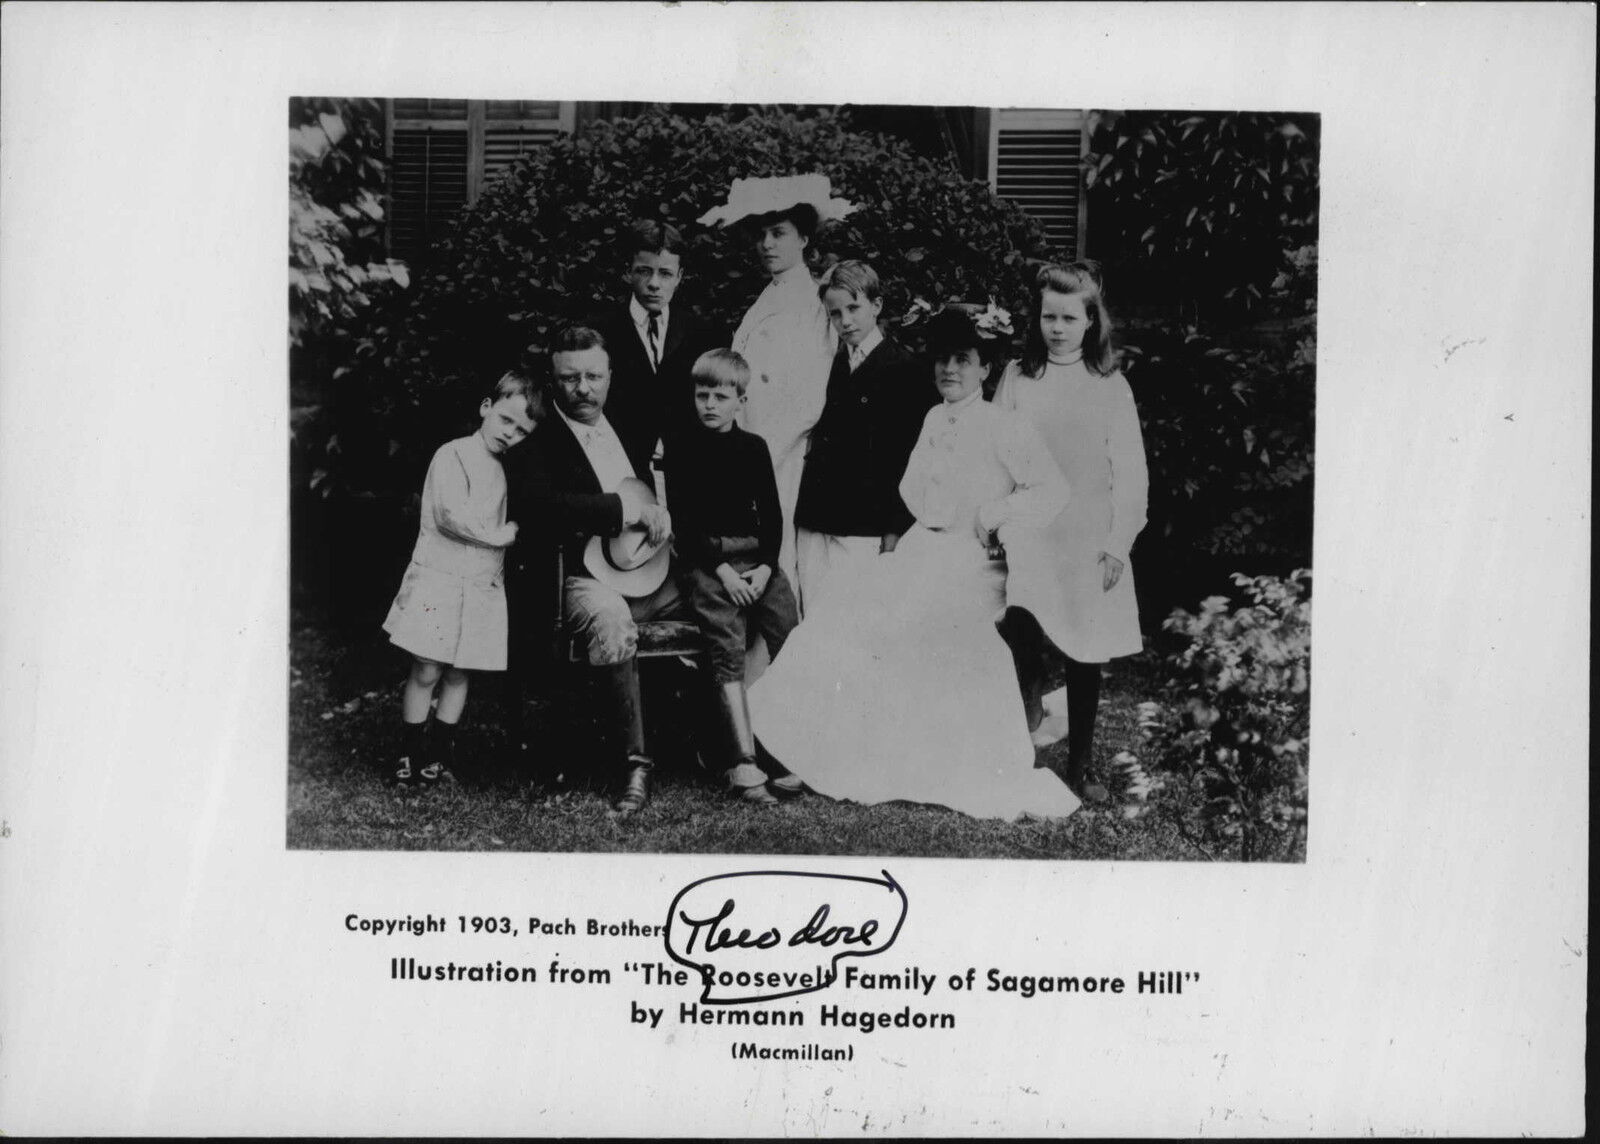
727, 528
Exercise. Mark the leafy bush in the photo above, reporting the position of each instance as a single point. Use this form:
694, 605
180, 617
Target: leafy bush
1229, 437
339, 277
1228, 425
336, 260
1210, 206
1209, 220
540, 247
1233, 725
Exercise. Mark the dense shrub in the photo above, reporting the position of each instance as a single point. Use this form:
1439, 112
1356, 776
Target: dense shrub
1229, 424
1207, 224
339, 276
1232, 728
336, 256
1207, 207
540, 247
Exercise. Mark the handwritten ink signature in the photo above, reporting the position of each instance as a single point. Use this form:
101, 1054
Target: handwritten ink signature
747, 958
811, 932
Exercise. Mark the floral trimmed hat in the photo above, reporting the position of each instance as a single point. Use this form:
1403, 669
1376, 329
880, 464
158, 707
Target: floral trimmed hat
985, 323
968, 325
775, 194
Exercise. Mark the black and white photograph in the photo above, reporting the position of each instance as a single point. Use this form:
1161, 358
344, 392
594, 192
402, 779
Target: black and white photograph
1024, 569
748, 570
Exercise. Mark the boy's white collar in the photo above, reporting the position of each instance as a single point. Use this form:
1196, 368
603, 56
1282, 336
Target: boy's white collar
641, 316
869, 343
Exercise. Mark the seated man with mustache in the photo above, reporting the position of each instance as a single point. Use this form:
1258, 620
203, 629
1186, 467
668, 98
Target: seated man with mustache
580, 480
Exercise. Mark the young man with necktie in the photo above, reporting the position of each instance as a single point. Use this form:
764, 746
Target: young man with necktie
653, 343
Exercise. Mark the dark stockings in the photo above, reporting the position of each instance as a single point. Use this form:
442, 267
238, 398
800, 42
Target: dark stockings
1026, 640
1029, 645
413, 751
1083, 703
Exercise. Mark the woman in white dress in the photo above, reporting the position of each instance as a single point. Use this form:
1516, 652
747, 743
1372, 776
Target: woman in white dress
897, 687
1073, 582
785, 336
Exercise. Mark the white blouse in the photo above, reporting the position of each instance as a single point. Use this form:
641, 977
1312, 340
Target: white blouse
977, 468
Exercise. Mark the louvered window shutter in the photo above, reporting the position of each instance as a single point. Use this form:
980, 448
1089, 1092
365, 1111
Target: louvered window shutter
427, 170
442, 152
1036, 161
513, 126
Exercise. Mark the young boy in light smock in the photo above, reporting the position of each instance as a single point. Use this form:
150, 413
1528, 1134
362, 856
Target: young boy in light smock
450, 611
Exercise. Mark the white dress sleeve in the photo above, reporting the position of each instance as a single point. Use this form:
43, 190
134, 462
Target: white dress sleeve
914, 482
1130, 477
1041, 490
453, 512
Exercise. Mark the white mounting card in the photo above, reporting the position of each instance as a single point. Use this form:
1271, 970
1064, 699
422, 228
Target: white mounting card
169, 966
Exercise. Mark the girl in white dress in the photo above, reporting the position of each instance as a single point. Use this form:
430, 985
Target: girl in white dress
785, 335
897, 686
1072, 584
450, 612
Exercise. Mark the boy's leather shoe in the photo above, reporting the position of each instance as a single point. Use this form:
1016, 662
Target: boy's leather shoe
747, 784
787, 786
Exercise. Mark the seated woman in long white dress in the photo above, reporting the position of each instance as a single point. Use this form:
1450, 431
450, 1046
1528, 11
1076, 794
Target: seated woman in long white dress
898, 686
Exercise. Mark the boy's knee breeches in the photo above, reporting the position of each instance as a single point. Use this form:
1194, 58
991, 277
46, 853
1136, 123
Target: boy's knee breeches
726, 626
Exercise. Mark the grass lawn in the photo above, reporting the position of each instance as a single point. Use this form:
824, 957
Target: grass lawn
343, 720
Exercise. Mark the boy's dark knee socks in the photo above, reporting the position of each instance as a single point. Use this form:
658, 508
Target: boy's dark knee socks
414, 742
444, 744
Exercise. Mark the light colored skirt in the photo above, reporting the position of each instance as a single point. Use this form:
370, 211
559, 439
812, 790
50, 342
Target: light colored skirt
818, 555
1063, 585
451, 619
897, 687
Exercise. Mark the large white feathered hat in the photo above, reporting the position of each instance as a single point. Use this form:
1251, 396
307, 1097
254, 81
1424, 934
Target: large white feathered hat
748, 197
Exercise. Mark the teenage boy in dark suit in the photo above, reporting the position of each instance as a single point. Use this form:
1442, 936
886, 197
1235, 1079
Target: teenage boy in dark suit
652, 345
849, 508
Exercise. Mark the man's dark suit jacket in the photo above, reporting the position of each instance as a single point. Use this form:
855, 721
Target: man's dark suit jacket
555, 498
860, 444
647, 404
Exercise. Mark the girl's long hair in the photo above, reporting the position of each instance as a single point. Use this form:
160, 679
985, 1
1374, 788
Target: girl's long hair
1082, 279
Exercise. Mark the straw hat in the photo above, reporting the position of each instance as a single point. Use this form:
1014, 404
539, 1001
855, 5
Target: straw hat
628, 563
771, 195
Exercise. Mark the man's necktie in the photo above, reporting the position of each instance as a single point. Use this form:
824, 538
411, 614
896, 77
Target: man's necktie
653, 330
